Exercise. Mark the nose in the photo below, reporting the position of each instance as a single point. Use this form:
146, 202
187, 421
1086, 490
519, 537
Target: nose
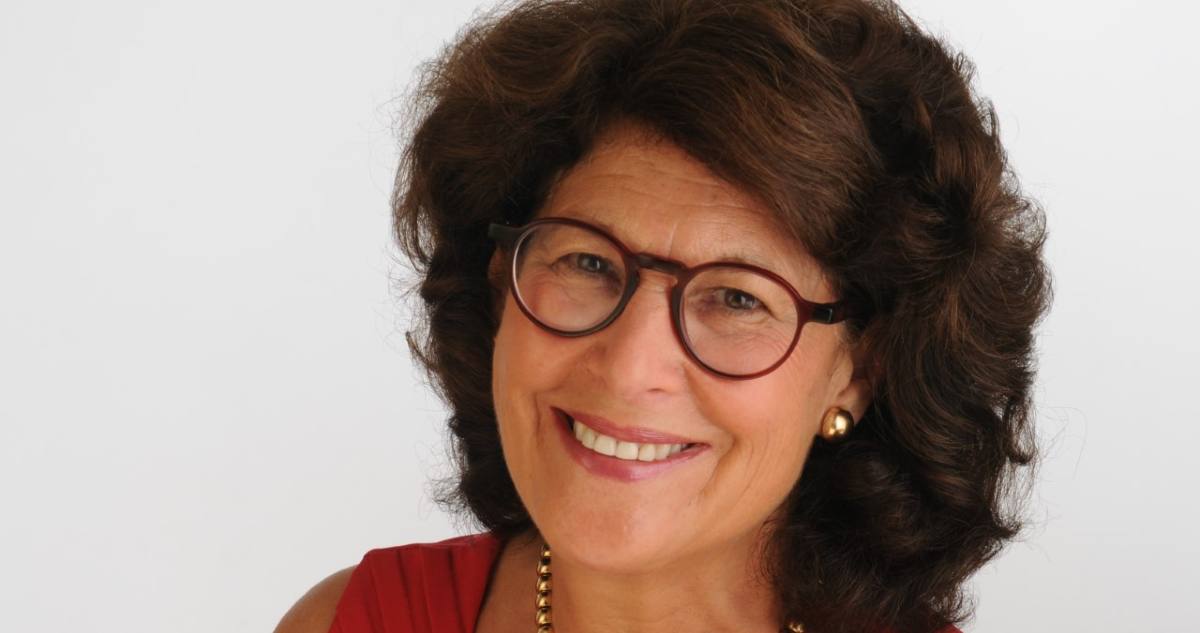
638, 357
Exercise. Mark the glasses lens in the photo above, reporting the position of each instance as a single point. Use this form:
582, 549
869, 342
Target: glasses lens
737, 321
569, 278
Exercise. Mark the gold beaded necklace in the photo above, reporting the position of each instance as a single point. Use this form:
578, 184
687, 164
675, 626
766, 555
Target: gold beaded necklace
542, 618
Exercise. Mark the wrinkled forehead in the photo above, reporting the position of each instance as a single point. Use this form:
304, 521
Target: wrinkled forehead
657, 199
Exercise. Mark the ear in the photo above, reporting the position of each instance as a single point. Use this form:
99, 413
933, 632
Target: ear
851, 383
496, 266
497, 278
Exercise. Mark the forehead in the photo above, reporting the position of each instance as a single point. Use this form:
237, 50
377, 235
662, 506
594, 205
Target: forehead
657, 199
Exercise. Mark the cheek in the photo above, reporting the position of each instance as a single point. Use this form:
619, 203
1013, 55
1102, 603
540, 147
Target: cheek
771, 422
515, 413
526, 362
805, 381
513, 367
783, 403
525, 357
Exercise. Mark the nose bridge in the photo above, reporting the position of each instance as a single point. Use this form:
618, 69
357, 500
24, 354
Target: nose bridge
673, 272
657, 294
634, 359
666, 266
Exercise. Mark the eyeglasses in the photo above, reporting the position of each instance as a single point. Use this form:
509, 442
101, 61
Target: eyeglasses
735, 320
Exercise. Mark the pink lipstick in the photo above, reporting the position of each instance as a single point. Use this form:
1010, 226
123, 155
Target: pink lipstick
616, 468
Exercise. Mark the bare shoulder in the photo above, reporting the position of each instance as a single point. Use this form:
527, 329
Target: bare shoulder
313, 612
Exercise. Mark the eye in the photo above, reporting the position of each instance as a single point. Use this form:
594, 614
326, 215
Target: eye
590, 263
739, 300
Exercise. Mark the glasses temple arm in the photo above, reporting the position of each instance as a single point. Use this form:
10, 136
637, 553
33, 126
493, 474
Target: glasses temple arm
506, 236
830, 313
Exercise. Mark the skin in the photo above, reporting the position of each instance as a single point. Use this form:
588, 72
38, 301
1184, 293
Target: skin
314, 611
677, 551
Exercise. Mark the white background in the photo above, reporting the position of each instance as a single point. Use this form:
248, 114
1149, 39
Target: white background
206, 402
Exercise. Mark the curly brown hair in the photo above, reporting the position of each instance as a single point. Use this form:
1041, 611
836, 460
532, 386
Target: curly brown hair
863, 135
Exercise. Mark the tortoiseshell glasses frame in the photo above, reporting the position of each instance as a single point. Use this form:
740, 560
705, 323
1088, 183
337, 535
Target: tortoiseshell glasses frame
511, 238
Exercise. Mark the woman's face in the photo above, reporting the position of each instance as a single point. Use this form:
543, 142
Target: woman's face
634, 380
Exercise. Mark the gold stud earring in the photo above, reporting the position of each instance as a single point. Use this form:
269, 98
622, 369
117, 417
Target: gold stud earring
836, 424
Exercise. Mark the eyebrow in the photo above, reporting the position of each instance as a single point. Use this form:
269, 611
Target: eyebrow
735, 256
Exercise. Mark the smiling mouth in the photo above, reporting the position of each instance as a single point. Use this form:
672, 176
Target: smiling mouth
609, 446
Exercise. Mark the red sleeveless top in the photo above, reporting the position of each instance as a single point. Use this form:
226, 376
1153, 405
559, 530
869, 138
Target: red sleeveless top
423, 588
418, 588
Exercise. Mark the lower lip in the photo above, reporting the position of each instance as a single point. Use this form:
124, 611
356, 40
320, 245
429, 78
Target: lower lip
612, 467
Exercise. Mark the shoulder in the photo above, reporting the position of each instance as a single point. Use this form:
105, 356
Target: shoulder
410, 578
461, 552
313, 612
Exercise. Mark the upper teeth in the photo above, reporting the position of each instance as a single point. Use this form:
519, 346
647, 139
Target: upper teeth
613, 447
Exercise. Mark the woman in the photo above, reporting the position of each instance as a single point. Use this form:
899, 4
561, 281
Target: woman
732, 304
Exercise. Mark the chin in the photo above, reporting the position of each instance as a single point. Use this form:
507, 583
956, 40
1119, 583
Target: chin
617, 544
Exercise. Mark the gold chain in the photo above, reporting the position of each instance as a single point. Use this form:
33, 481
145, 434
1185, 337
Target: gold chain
542, 618
543, 592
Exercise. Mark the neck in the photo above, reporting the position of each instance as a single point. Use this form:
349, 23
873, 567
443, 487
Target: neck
710, 591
